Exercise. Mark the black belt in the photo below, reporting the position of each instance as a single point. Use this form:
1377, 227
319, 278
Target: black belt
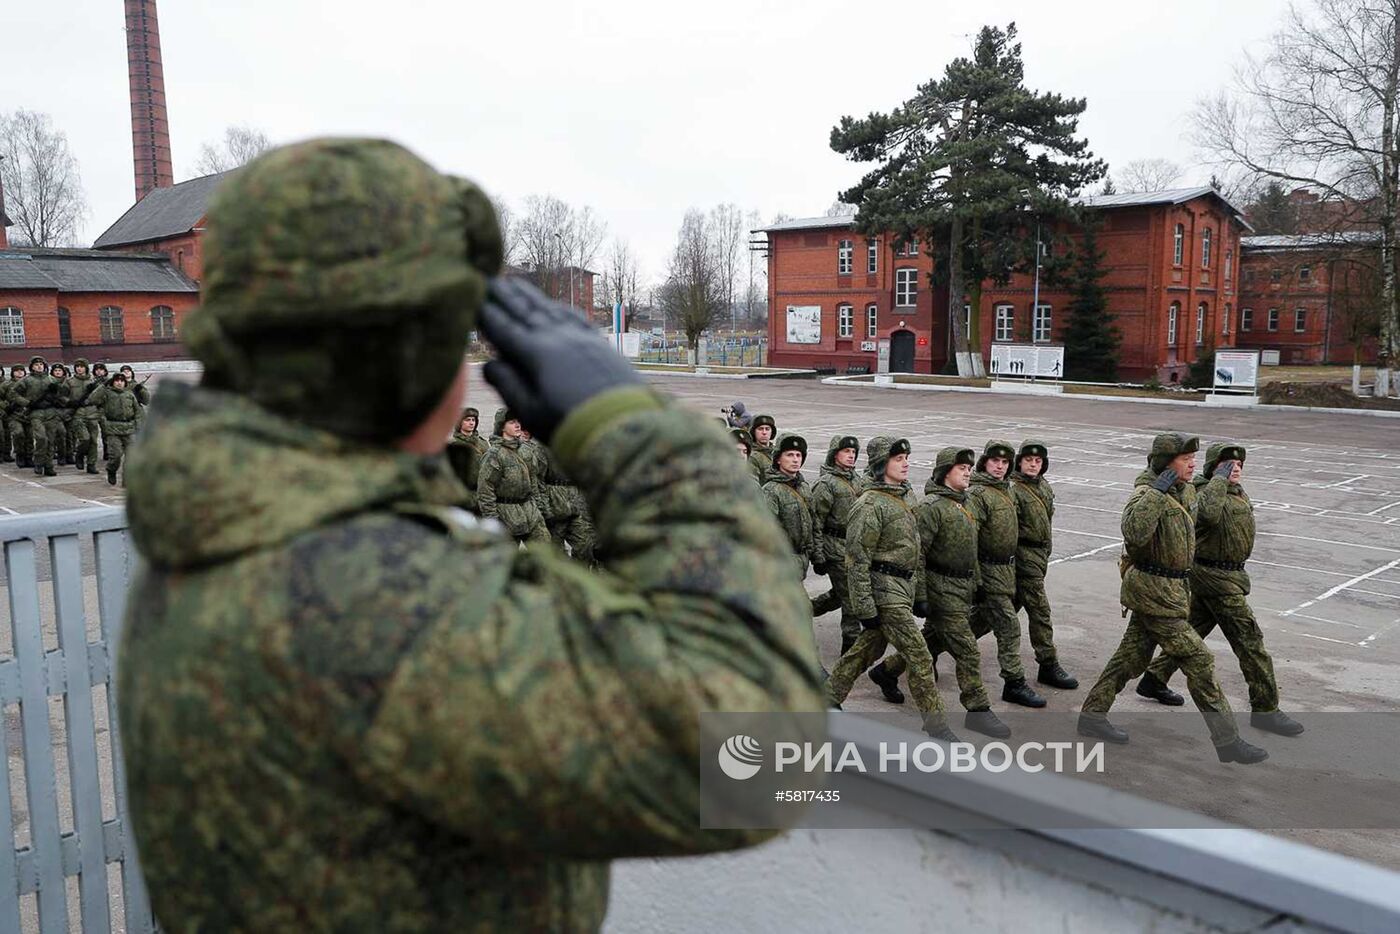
1156, 570
965, 575
892, 570
834, 529
1003, 562
1221, 565
1028, 543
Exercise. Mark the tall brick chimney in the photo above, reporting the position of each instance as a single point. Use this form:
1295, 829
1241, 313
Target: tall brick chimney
150, 127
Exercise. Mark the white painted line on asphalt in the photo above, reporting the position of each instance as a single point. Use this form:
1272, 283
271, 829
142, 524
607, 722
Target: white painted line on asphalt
1085, 554
1374, 593
1342, 586
7, 509
1296, 567
1329, 541
1309, 635
1323, 619
1378, 511
1379, 632
1088, 534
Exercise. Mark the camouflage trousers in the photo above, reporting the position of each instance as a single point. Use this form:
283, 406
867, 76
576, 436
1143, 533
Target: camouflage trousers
64, 449
997, 614
1236, 620
46, 436
116, 450
1187, 649
836, 599
897, 628
87, 433
18, 426
577, 533
948, 630
1030, 596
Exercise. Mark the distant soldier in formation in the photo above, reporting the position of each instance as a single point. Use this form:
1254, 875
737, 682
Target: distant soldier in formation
742, 441
886, 584
762, 430
566, 516
15, 418
833, 495
994, 507
790, 500
1035, 508
1220, 590
86, 421
506, 487
38, 394
1159, 540
465, 452
122, 416
62, 419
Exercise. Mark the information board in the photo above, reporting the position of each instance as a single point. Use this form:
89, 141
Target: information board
804, 324
1039, 360
1236, 369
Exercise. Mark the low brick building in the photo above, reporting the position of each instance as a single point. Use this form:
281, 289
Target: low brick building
1170, 267
169, 221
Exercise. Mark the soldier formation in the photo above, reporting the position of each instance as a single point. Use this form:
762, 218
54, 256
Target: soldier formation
51, 419
974, 551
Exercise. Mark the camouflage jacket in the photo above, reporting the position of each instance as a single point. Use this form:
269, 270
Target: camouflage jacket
80, 399
1224, 532
537, 456
9, 403
565, 501
833, 495
465, 453
37, 394
121, 413
761, 459
994, 508
881, 530
347, 706
1035, 510
1159, 533
790, 501
948, 543
506, 488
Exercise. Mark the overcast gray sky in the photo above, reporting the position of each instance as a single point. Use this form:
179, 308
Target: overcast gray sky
639, 109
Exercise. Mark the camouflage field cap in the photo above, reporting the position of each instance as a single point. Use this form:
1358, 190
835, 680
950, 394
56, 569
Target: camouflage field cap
1223, 451
1169, 445
879, 450
99, 365
839, 444
790, 442
996, 448
81, 362
743, 437
1038, 449
324, 253
38, 359
948, 458
58, 366
503, 415
470, 412
760, 420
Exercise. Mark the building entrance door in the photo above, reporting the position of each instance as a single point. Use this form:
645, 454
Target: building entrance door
902, 352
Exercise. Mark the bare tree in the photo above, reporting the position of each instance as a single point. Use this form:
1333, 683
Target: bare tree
240, 145
1147, 175
727, 230
841, 209
43, 189
693, 294
505, 219
1321, 108
622, 280
555, 240
756, 289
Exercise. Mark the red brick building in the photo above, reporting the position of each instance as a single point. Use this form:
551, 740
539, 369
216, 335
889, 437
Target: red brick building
1307, 296
169, 221
1171, 265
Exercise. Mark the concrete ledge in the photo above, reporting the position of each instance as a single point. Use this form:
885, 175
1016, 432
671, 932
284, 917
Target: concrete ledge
1232, 401
1031, 389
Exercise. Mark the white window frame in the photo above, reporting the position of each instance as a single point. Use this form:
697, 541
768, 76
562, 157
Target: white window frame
1304, 273
12, 326
1273, 319
1225, 318
1173, 312
103, 327
1042, 324
1205, 248
1246, 319
1300, 320
845, 254
872, 321
967, 318
1178, 244
1229, 264
156, 334
906, 287
1200, 324
1005, 322
845, 320
872, 256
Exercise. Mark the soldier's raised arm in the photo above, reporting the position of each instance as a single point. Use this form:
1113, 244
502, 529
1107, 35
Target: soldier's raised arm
1144, 510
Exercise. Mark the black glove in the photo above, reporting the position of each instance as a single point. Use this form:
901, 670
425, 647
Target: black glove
549, 360
821, 567
921, 609
1164, 480
871, 623
1223, 469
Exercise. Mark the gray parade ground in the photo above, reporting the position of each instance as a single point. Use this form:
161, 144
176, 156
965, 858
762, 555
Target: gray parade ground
1326, 570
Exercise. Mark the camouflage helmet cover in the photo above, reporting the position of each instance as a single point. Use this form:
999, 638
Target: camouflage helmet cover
1223, 451
996, 448
1170, 445
1032, 448
790, 442
742, 436
879, 450
948, 458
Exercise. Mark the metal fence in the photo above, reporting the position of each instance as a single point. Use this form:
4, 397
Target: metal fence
72, 863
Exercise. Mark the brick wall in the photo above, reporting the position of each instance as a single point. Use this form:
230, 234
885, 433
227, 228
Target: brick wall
1290, 282
41, 327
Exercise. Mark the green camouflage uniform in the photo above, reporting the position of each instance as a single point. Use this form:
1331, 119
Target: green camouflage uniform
789, 499
86, 421
465, 452
994, 508
39, 393
1225, 536
345, 705
832, 497
1159, 538
1035, 508
121, 419
567, 518
884, 579
761, 455
63, 414
507, 488
16, 420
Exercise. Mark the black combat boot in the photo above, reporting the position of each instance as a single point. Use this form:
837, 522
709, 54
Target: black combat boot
38, 470
987, 723
1096, 726
936, 725
887, 682
1276, 721
1240, 751
1052, 675
111, 475
846, 643
1019, 692
1148, 686
49, 471
79, 462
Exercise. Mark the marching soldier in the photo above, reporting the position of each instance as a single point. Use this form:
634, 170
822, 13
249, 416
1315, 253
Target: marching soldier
1220, 590
62, 418
1035, 508
832, 497
994, 507
1159, 541
465, 452
507, 488
37, 394
14, 418
885, 581
789, 499
86, 421
122, 416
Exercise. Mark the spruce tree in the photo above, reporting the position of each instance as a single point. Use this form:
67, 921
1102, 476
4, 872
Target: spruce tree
1272, 212
1091, 340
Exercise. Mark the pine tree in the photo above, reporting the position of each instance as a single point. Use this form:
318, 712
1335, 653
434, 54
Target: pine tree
1091, 341
970, 162
1272, 212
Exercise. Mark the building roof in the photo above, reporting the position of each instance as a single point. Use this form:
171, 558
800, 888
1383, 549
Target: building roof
164, 212
90, 271
1310, 241
811, 223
